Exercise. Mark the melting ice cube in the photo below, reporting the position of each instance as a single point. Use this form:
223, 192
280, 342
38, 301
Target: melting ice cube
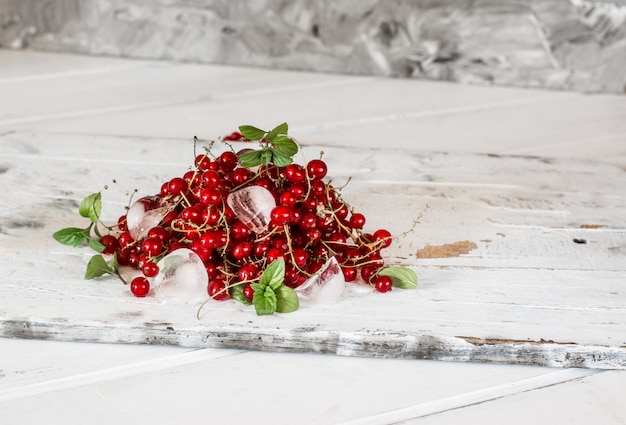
324, 286
252, 205
182, 277
145, 214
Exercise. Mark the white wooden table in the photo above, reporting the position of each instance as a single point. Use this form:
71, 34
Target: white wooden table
524, 292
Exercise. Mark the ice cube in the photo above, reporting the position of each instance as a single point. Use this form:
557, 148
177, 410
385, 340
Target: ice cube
182, 278
145, 214
325, 286
252, 205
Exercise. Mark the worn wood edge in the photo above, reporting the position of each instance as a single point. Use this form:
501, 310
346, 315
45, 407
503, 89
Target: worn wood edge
362, 343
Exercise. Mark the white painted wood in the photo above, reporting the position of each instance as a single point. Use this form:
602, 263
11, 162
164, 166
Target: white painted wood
255, 387
527, 293
592, 399
358, 381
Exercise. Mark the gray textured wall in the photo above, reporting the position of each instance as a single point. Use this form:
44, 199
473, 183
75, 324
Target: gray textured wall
564, 44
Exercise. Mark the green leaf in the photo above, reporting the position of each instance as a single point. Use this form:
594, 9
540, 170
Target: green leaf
280, 129
236, 293
258, 287
250, 159
285, 146
266, 156
71, 236
251, 132
281, 160
286, 299
274, 274
113, 262
95, 245
265, 301
402, 277
97, 266
91, 207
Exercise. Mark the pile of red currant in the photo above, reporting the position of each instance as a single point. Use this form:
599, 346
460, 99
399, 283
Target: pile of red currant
309, 224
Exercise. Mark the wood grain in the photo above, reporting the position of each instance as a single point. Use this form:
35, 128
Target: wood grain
527, 294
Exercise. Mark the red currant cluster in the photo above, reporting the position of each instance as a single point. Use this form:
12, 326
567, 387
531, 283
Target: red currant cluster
309, 224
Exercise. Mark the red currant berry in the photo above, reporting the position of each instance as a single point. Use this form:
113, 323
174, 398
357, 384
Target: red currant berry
383, 236
248, 292
152, 246
318, 188
177, 186
357, 221
248, 272
110, 244
239, 231
382, 283
281, 215
242, 250
203, 162
125, 239
211, 270
210, 196
316, 169
235, 136
294, 173
140, 286
260, 249
217, 290
160, 233
308, 220
228, 161
121, 223
150, 269
274, 254
192, 215
341, 211
165, 189
211, 179
288, 199
241, 175
314, 236
368, 271
298, 191
300, 257
349, 273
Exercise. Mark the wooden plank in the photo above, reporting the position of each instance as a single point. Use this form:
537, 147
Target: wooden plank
524, 292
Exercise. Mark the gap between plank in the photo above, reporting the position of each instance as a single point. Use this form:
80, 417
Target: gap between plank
473, 397
425, 114
131, 369
70, 74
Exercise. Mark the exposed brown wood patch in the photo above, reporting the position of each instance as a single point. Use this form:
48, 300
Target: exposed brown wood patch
445, 251
592, 226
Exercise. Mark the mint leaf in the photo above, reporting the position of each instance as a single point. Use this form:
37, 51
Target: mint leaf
95, 245
281, 160
113, 263
402, 277
280, 129
97, 266
286, 299
285, 146
251, 132
273, 275
236, 293
266, 156
71, 236
250, 159
91, 207
265, 301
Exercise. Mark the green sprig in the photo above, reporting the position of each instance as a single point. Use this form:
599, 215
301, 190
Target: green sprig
277, 147
270, 295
